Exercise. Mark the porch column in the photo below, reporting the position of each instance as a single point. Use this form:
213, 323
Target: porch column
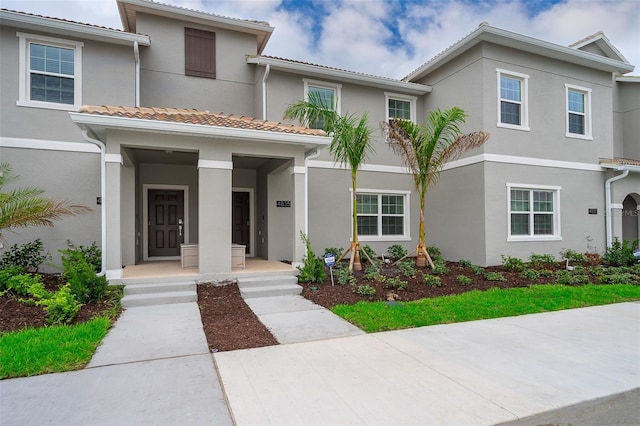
298, 188
616, 221
214, 216
113, 165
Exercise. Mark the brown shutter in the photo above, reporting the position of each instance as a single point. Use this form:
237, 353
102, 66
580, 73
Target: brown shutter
199, 53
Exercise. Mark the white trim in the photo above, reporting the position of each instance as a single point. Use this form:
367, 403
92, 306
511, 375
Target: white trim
252, 218
114, 274
557, 233
298, 170
587, 111
145, 216
411, 99
617, 206
324, 85
524, 101
523, 161
215, 164
48, 145
323, 164
406, 196
24, 96
113, 158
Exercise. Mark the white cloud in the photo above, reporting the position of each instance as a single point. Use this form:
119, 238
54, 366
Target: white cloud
354, 35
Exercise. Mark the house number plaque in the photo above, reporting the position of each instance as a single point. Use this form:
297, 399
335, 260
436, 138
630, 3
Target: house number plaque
283, 203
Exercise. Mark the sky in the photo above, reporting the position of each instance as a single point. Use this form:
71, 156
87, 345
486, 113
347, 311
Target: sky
388, 38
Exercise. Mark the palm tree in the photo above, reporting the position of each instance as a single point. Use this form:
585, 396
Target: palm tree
23, 207
425, 149
350, 145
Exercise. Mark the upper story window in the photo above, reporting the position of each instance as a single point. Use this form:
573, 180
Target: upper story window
327, 93
50, 72
383, 215
578, 111
400, 106
534, 212
513, 109
199, 53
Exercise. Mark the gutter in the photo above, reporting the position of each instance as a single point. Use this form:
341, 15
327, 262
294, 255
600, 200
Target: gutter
136, 55
264, 91
607, 192
103, 204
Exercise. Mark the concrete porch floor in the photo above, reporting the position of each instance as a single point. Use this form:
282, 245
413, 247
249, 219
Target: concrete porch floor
163, 269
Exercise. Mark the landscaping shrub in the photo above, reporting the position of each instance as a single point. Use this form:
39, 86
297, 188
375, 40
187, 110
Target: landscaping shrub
7, 273
513, 263
620, 253
372, 272
396, 283
61, 307
494, 276
28, 256
344, 276
546, 273
369, 251
573, 256
477, 270
463, 280
434, 252
619, 278
440, 267
365, 290
530, 274
571, 278
93, 255
407, 268
81, 275
312, 270
432, 281
396, 251
542, 260
465, 263
25, 284
335, 251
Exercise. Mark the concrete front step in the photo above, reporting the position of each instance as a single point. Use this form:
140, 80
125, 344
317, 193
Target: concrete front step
269, 286
159, 287
162, 298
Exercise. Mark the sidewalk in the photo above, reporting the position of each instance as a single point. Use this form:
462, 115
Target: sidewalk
478, 373
153, 367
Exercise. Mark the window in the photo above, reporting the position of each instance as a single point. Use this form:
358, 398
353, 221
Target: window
513, 111
50, 74
533, 212
199, 53
323, 92
578, 112
382, 215
400, 106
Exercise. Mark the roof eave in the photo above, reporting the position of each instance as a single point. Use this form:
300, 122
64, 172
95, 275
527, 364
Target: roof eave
98, 124
78, 30
621, 167
328, 73
521, 42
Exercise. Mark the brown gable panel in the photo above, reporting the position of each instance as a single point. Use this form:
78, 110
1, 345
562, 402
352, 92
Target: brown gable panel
199, 53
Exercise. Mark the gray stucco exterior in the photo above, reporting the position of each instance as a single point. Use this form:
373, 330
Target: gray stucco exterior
292, 182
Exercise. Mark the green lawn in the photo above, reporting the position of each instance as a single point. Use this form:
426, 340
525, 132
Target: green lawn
50, 349
476, 305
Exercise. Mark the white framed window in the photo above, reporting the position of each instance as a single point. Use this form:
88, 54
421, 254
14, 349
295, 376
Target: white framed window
50, 72
578, 111
513, 94
323, 91
533, 212
383, 215
400, 106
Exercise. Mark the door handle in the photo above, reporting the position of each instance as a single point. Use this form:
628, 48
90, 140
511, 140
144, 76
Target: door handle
180, 222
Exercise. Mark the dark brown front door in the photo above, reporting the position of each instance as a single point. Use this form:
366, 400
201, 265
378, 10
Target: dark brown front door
166, 222
241, 219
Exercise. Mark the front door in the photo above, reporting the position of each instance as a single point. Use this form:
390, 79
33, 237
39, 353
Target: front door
241, 219
166, 222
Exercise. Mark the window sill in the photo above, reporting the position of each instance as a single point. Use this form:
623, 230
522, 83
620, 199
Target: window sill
534, 238
513, 127
48, 105
384, 238
578, 136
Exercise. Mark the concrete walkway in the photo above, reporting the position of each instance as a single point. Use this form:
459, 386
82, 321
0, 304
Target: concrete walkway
477, 373
153, 367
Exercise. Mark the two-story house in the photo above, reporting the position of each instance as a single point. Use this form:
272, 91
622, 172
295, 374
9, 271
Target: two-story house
172, 130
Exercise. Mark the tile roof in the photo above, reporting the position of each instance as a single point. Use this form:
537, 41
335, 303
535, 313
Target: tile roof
620, 161
198, 117
62, 20
175, 6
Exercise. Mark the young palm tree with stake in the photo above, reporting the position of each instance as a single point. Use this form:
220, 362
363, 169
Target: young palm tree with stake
350, 145
425, 149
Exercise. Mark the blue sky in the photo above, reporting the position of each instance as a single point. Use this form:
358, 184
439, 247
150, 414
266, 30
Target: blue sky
388, 37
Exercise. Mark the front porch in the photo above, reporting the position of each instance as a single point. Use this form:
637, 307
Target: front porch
171, 270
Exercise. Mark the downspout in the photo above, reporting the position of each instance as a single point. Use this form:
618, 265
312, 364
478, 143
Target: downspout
311, 156
264, 91
607, 195
103, 204
136, 55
